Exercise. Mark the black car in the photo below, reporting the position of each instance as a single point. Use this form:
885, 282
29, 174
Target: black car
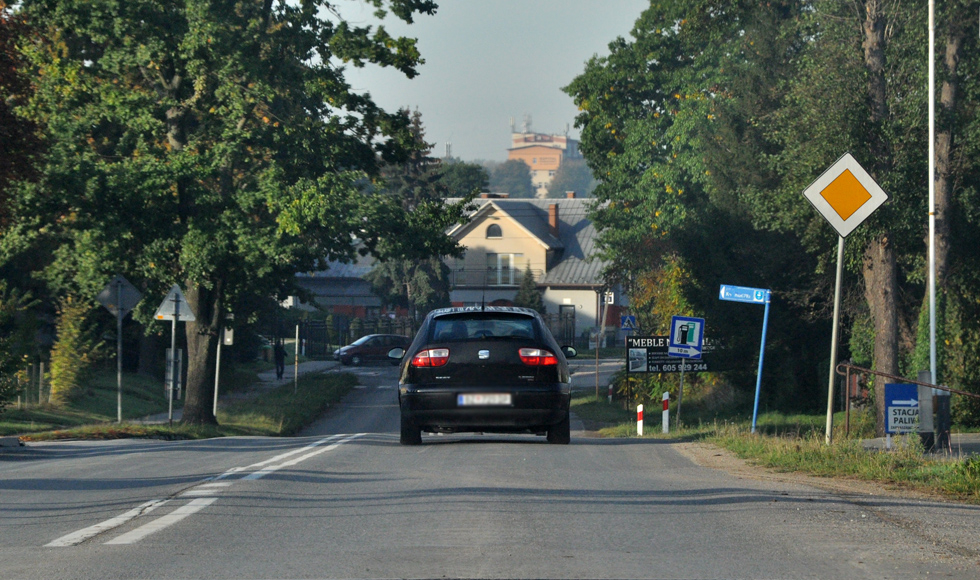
484, 370
373, 347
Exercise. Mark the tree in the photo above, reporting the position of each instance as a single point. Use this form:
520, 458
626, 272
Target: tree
416, 179
419, 286
513, 177
528, 295
19, 141
217, 145
462, 179
74, 350
16, 339
572, 175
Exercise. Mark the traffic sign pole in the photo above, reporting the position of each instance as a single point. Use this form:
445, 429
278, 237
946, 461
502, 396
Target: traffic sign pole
173, 363
762, 355
829, 435
119, 317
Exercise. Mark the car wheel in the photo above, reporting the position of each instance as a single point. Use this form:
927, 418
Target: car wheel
561, 432
355, 360
411, 433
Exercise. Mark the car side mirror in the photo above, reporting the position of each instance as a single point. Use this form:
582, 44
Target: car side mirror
396, 353
569, 351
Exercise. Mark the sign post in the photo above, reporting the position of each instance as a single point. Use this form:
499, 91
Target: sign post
686, 341
753, 296
119, 297
845, 195
170, 310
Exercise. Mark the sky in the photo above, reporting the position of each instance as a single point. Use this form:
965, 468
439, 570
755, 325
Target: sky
488, 61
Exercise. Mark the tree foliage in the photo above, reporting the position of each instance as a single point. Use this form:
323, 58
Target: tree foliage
572, 175
19, 141
528, 295
418, 286
709, 122
216, 145
16, 338
460, 178
75, 350
513, 177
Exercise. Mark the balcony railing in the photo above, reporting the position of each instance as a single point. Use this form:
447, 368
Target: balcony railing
490, 277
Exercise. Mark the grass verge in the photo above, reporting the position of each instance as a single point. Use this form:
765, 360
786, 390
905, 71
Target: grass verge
273, 412
795, 443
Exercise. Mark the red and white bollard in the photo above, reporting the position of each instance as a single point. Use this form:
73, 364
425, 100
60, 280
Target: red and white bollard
639, 420
666, 415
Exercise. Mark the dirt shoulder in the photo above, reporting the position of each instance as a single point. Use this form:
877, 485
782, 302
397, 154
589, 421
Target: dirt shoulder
708, 455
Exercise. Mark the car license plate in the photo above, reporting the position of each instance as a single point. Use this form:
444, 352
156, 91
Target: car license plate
483, 399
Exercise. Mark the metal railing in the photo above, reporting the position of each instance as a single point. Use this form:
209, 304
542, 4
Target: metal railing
491, 277
845, 369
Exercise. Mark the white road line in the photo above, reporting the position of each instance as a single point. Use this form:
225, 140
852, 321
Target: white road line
207, 488
273, 468
164, 521
84, 534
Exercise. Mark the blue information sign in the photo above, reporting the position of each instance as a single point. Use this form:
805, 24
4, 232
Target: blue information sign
686, 337
901, 408
744, 294
627, 322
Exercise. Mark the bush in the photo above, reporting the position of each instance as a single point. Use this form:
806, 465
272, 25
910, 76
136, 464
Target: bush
74, 351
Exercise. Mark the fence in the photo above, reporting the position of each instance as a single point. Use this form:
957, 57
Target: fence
320, 339
846, 369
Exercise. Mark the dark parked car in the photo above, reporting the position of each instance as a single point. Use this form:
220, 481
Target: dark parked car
373, 347
493, 370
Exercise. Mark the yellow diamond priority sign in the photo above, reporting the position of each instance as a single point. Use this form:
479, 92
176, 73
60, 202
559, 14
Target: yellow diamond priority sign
845, 195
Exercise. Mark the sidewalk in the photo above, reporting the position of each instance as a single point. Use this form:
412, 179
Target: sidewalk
267, 380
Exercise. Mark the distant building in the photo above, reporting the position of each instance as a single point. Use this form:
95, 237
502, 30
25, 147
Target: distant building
543, 154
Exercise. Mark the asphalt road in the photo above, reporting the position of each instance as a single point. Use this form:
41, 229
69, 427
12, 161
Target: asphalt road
345, 500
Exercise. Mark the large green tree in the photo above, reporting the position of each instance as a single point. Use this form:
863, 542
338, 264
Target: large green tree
461, 179
572, 175
20, 144
709, 123
513, 177
215, 144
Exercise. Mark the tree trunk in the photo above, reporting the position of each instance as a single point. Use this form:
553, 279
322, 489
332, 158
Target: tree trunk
880, 269
944, 142
202, 343
880, 286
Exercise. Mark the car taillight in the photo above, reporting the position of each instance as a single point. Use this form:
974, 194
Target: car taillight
537, 357
431, 357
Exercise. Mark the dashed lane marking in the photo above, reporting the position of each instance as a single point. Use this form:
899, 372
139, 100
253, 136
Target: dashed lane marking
208, 488
91, 531
164, 521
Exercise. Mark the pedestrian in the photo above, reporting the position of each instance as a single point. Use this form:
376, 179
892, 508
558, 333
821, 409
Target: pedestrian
279, 352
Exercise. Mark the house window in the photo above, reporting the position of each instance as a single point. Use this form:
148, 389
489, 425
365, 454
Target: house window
494, 231
502, 269
535, 160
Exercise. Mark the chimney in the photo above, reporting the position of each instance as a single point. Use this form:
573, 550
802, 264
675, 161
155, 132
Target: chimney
553, 219
570, 195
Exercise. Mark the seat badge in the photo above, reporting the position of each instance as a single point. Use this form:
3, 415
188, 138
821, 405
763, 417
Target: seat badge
483, 354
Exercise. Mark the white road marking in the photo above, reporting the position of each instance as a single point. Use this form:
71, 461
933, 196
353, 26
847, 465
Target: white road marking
273, 468
86, 533
209, 487
164, 521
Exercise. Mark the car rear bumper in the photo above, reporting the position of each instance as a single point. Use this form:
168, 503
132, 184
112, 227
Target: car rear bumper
531, 408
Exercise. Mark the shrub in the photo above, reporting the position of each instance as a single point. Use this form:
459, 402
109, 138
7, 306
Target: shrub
74, 351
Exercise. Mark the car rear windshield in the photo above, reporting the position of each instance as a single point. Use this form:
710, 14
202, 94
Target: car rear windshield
482, 325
